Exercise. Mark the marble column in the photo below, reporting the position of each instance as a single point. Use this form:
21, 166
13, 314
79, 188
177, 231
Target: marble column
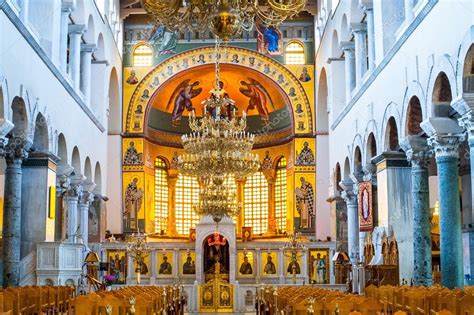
86, 61
446, 149
464, 105
418, 153
73, 192
172, 179
85, 200
14, 156
74, 67
348, 48
369, 11
360, 31
350, 197
66, 9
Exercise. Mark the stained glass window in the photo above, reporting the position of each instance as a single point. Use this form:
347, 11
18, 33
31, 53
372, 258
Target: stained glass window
280, 195
256, 203
187, 195
142, 56
294, 54
161, 197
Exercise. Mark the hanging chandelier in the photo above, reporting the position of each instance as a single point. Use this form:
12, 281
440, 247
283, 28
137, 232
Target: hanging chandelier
218, 146
225, 18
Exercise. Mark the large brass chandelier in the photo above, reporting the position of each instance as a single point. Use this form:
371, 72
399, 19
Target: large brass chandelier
218, 147
225, 18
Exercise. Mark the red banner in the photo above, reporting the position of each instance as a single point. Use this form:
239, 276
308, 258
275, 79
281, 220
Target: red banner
366, 222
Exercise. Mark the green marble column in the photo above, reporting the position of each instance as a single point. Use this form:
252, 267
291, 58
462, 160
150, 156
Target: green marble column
446, 149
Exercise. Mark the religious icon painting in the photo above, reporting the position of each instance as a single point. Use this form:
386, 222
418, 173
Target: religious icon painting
269, 40
133, 213
192, 235
365, 207
245, 263
305, 216
142, 267
305, 76
293, 265
188, 263
318, 266
117, 266
269, 263
165, 263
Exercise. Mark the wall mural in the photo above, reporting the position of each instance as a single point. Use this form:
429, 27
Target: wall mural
138, 96
269, 40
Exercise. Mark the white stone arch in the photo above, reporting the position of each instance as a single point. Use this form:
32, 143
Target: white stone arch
41, 135
76, 161
390, 111
357, 159
322, 119
336, 50
62, 149
4, 99
89, 35
98, 178
371, 128
88, 169
100, 53
466, 44
355, 13
443, 64
114, 124
344, 31
346, 172
20, 117
357, 143
78, 14
371, 136
414, 88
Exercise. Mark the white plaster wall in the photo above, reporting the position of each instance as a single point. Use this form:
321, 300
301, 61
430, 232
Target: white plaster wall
28, 76
114, 187
323, 210
413, 62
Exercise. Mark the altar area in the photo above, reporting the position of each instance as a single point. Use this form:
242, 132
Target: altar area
244, 266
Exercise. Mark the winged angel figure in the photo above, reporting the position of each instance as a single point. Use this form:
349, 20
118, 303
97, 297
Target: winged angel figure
182, 96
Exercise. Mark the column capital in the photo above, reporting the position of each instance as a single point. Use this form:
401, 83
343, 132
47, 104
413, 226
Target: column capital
446, 145
348, 192
366, 7
417, 150
77, 29
347, 46
86, 198
88, 48
369, 172
358, 27
67, 6
464, 103
16, 151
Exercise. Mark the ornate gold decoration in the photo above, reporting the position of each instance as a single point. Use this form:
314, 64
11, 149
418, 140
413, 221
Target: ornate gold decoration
218, 146
138, 249
294, 249
225, 18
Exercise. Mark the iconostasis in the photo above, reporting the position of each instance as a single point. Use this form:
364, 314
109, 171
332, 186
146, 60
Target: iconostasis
157, 103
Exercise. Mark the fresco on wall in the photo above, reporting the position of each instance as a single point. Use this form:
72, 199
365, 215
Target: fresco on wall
133, 202
269, 40
305, 216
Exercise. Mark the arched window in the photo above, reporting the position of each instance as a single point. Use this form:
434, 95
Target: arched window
161, 197
280, 195
294, 53
256, 203
142, 55
187, 195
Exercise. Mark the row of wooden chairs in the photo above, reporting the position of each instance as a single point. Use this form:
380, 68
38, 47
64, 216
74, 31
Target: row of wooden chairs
131, 300
424, 300
36, 300
398, 300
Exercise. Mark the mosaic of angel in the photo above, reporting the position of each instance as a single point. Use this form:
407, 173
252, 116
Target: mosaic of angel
182, 96
258, 98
